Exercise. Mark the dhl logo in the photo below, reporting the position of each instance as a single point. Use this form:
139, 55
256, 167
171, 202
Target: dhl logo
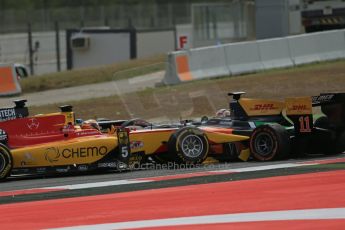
263, 107
299, 107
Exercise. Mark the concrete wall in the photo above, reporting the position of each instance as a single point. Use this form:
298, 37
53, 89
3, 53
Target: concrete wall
104, 49
155, 42
247, 57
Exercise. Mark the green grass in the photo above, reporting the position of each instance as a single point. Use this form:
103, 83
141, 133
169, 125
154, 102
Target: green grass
86, 76
197, 98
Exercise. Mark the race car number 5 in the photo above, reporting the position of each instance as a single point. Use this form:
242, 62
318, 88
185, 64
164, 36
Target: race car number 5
124, 151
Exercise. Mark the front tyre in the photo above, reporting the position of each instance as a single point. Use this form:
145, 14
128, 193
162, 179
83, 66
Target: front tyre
269, 142
188, 145
5, 162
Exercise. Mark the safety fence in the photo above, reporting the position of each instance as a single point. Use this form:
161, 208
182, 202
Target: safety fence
253, 56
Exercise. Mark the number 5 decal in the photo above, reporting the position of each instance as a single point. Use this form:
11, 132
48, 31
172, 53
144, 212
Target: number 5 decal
124, 151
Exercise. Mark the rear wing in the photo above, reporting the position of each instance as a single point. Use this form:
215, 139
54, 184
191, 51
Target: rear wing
328, 98
333, 106
299, 110
19, 111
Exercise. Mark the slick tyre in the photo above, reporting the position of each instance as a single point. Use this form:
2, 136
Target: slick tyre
188, 145
5, 162
340, 147
325, 144
322, 122
269, 142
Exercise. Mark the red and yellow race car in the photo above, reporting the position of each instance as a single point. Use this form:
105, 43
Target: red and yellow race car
54, 143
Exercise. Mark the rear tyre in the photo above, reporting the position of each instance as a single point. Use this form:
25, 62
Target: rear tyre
327, 142
269, 142
5, 162
188, 145
340, 148
322, 122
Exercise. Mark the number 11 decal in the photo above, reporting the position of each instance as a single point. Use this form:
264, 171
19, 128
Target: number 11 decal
304, 124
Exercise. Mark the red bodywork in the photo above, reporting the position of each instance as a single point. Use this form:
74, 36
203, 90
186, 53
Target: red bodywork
28, 131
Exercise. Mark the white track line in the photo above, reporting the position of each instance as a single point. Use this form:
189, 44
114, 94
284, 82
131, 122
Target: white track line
98, 184
307, 214
147, 179
265, 167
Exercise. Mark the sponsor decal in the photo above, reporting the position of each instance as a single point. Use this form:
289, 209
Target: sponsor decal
225, 123
41, 170
62, 170
137, 144
83, 168
33, 124
7, 114
263, 107
322, 98
299, 107
87, 133
84, 152
54, 154
107, 165
3, 135
28, 159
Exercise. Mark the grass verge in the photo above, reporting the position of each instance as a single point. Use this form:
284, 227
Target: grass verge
204, 97
93, 75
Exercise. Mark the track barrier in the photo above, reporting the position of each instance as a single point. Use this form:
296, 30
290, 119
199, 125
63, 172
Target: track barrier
254, 56
9, 84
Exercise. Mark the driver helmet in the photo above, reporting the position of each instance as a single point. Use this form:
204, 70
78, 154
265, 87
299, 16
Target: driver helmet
90, 124
223, 113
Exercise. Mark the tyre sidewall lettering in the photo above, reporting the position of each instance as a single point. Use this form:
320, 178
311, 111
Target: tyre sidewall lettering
7, 164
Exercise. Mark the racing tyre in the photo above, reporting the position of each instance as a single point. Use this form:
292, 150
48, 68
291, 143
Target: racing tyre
322, 122
5, 162
340, 148
326, 143
188, 145
269, 142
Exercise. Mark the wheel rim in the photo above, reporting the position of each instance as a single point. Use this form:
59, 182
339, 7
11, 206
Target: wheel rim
264, 144
2, 162
192, 146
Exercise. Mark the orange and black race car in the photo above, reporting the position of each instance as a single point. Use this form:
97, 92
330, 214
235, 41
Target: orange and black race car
279, 128
54, 143
270, 129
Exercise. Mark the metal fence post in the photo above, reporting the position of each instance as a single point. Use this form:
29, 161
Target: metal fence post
31, 51
57, 45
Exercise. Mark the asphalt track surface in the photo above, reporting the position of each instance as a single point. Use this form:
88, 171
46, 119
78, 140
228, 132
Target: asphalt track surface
306, 193
171, 177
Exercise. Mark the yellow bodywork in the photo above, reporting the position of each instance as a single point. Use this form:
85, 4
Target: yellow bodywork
149, 141
261, 107
82, 150
298, 106
155, 140
224, 138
